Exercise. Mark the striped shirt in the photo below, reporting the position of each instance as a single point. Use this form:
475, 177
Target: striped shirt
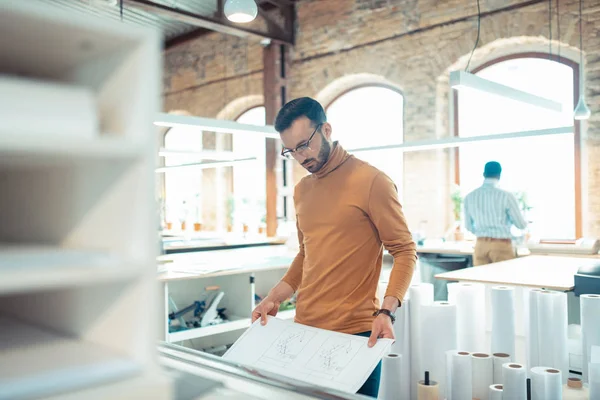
490, 212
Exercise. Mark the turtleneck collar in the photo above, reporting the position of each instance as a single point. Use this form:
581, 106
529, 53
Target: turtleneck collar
337, 157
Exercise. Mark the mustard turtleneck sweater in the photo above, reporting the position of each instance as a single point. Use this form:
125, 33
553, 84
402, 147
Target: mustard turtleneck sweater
346, 213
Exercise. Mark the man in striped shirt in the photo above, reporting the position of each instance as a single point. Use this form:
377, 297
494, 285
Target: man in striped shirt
489, 214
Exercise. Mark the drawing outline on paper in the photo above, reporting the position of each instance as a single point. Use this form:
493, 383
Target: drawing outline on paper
289, 344
310, 355
334, 355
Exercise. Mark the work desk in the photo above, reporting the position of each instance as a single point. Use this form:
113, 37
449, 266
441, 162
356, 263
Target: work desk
536, 271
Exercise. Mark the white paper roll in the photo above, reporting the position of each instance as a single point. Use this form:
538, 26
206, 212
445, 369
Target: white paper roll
459, 379
553, 331
495, 392
538, 383
483, 375
531, 331
590, 328
594, 377
402, 346
514, 385
391, 377
503, 319
451, 288
554, 384
470, 316
419, 296
499, 360
436, 341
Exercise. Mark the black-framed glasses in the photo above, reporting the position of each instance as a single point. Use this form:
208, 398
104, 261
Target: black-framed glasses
301, 148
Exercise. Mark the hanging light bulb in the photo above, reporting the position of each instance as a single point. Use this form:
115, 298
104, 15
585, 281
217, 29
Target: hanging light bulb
582, 111
240, 10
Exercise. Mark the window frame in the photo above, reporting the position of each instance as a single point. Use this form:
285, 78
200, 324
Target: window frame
577, 146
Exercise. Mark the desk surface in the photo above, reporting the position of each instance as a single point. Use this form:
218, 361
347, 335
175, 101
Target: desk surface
224, 262
550, 272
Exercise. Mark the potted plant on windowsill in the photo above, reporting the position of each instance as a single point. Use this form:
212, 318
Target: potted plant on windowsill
457, 202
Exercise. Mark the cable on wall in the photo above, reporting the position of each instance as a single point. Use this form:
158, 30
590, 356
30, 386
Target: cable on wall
478, 32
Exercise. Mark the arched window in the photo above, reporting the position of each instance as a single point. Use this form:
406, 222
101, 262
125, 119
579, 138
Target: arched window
539, 170
248, 200
371, 116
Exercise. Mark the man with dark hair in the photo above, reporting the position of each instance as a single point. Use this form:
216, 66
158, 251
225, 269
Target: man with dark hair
489, 214
346, 212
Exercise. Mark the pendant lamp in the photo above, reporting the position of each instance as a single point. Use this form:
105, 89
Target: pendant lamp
240, 11
582, 111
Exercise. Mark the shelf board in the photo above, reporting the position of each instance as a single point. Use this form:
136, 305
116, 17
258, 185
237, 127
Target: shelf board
209, 330
35, 362
221, 328
57, 150
30, 268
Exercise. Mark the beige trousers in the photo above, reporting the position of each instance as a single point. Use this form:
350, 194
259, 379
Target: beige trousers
491, 250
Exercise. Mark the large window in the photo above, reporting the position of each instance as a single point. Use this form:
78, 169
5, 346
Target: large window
371, 116
540, 170
183, 187
248, 200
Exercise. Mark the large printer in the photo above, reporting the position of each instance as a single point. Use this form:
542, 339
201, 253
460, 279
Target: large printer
201, 376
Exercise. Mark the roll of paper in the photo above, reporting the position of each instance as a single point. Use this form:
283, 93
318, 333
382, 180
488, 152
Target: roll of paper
538, 383
499, 360
531, 331
554, 383
553, 331
434, 346
391, 377
483, 375
428, 392
503, 319
419, 296
451, 288
590, 328
594, 377
575, 390
514, 378
402, 346
470, 316
495, 392
459, 379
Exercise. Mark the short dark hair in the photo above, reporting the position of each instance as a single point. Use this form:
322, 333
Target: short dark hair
492, 169
297, 108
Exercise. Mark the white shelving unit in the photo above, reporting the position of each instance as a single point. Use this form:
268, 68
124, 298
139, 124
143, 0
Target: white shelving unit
77, 235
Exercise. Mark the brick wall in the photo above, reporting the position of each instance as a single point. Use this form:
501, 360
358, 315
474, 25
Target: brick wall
409, 44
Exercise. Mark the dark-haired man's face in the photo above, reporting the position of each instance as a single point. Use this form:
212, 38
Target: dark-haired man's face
319, 147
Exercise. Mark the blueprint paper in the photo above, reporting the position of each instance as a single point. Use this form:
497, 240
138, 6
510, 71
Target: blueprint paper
316, 356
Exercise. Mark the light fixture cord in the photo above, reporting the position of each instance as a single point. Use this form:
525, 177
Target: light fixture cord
550, 30
558, 27
580, 41
477, 40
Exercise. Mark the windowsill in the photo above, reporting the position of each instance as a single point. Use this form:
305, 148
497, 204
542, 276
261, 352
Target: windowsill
208, 241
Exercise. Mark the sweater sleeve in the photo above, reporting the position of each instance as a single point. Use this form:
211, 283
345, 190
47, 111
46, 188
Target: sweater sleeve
293, 276
385, 212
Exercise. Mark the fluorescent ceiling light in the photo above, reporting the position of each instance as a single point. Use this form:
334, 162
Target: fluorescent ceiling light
465, 80
420, 145
205, 165
241, 11
215, 125
204, 154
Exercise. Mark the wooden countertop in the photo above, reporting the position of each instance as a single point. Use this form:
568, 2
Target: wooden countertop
223, 262
551, 272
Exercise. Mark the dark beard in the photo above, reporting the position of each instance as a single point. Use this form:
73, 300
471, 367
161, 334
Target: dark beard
322, 157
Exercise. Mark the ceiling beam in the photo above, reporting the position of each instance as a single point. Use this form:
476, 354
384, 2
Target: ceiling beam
217, 24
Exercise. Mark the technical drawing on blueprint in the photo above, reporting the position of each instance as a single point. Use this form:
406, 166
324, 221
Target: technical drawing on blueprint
309, 355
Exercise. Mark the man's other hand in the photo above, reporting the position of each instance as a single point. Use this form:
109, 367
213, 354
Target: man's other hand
381, 328
264, 308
